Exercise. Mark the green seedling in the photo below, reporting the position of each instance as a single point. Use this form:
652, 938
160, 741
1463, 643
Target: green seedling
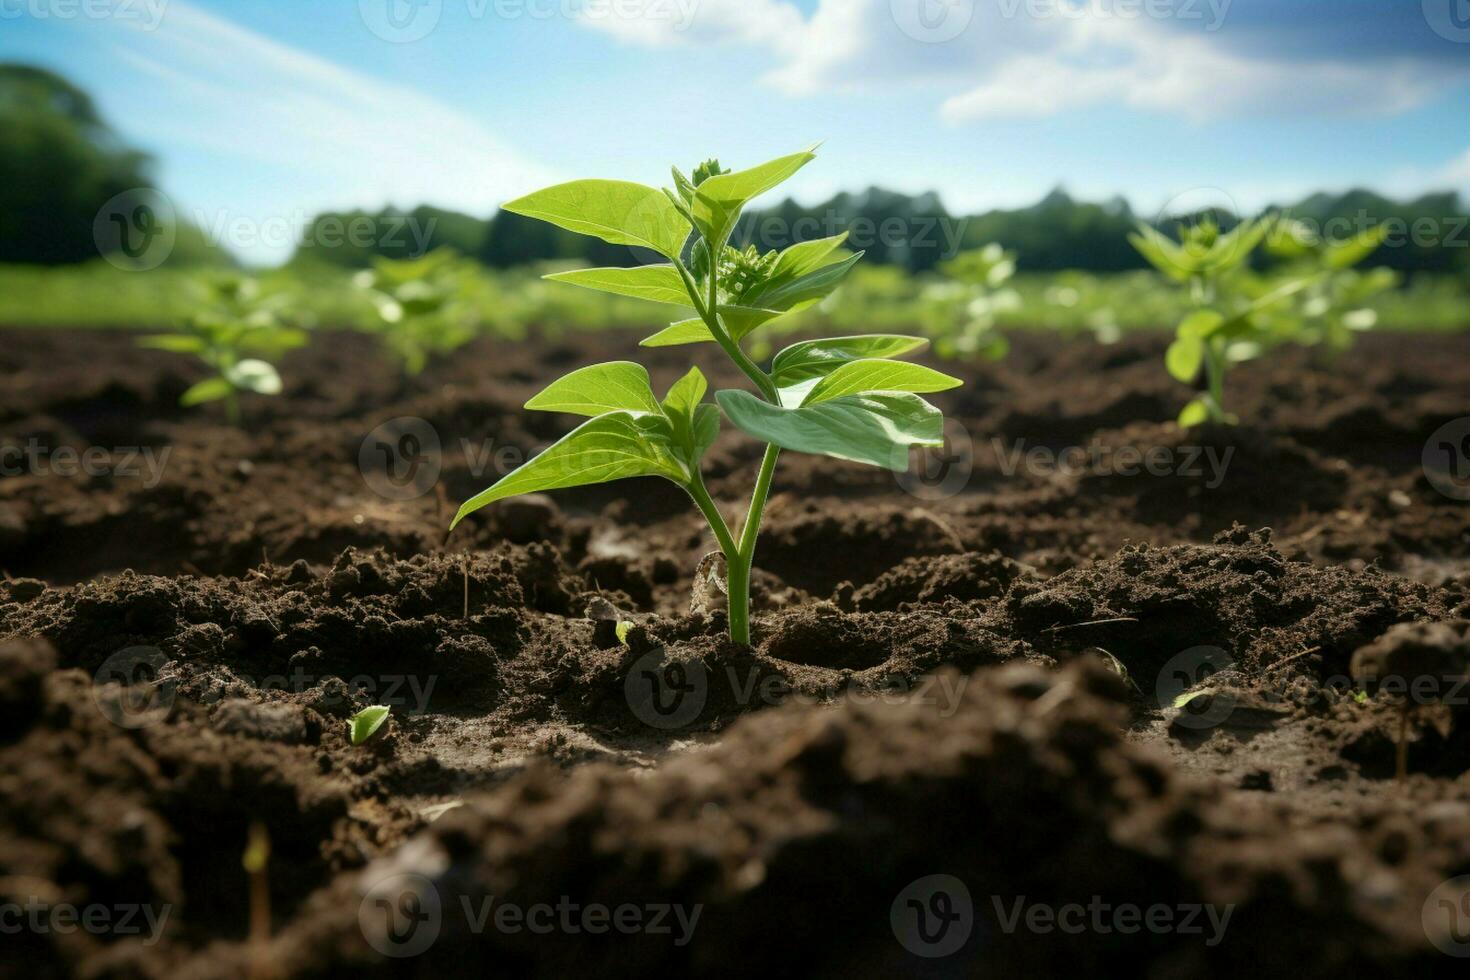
236, 334
1224, 327
367, 722
1335, 307
843, 397
624, 627
425, 305
960, 313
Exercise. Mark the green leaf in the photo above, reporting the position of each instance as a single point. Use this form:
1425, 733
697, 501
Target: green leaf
717, 201
254, 375
1184, 357
686, 393
804, 257
874, 374
365, 724
598, 389
621, 631
692, 331
1348, 253
1200, 324
176, 342
803, 290
658, 283
208, 390
877, 428
1195, 413
610, 447
816, 358
617, 211
706, 430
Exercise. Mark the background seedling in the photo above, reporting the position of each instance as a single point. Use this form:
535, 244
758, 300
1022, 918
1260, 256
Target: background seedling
1335, 305
960, 312
426, 307
843, 397
237, 333
1227, 325
1418, 664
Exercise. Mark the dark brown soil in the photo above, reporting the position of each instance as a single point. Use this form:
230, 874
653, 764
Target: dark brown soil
977, 674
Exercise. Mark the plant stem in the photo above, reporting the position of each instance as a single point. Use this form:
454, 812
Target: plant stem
740, 565
712, 514
1215, 373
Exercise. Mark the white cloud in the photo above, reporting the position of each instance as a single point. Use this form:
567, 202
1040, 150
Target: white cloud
997, 59
321, 134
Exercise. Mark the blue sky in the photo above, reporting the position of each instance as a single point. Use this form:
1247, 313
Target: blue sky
260, 112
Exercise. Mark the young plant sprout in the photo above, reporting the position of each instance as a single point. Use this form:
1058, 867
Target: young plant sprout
236, 335
1335, 307
842, 397
422, 305
960, 313
367, 723
1417, 663
1223, 328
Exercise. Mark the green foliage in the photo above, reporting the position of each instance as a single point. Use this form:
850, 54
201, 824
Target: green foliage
237, 333
1232, 316
425, 305
841, 397
961, 313
1336, 305
367, 723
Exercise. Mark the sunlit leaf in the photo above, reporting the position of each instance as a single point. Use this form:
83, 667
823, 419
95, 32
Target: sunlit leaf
616, 211
877, 428
598, 389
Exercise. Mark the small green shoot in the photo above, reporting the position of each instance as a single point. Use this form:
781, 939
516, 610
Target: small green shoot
1224, 327
425, 305
367, 722
622, 630
237, 335
843, 397
960, 312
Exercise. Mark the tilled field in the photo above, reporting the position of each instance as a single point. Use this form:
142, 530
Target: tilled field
953, 750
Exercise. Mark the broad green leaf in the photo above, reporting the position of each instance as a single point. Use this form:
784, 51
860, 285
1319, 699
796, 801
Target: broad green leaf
176, 342
706, 429
874, 374
804, 257
1195, 413
208, 390
815, 358
685, 393
659, 283
254, 375
693, 331
366, 723
717, 202
804, 289
1348, 253
1163, 253
1184, 357
598, 389
1200, 324
617, 211
877, 428
610, 447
